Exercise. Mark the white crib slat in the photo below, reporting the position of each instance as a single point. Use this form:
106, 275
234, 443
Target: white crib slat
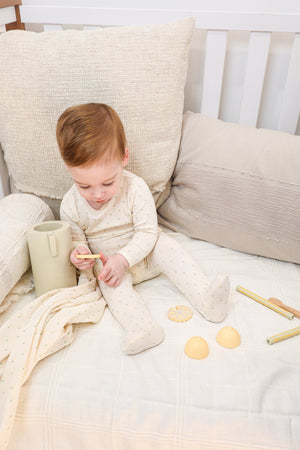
259, 45
289, 114
213, 72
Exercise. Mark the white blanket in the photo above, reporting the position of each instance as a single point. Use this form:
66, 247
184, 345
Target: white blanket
90, 395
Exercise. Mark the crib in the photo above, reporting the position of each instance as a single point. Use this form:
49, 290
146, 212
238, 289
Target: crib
243, 75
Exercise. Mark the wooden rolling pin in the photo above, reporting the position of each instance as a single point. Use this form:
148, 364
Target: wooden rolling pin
277, 302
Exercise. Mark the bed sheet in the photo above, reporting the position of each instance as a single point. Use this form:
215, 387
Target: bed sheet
90, 395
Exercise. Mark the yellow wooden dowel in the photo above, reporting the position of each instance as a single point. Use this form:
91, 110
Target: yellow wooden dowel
89, 256
284, 335
265, 302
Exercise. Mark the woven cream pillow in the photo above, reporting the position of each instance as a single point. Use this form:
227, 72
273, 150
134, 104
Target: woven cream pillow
139, 70
17, 212
238, 187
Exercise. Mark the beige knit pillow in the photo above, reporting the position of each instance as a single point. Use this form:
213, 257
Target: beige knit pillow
138, 70
238, 187
17, 212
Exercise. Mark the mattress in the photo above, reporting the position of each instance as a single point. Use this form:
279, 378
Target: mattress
90, 395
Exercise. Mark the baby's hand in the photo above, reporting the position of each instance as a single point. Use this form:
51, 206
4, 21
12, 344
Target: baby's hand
114, 267
81, 264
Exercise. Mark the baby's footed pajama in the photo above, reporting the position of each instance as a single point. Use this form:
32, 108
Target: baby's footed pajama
168, 257
128, 307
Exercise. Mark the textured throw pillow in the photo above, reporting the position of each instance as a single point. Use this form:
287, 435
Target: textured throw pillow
138, 70
237, 187
17, 212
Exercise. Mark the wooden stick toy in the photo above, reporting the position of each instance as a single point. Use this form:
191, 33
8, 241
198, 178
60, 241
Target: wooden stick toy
89, 256
284, 335
265, 302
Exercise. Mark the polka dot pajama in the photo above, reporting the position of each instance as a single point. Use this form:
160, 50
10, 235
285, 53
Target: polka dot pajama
168, 257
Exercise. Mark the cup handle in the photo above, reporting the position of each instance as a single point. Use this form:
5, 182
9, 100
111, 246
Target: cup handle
52, 244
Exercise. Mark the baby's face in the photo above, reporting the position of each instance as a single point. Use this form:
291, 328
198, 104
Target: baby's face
99, 182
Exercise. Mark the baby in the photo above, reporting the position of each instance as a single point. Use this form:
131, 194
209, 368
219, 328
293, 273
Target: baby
111, 210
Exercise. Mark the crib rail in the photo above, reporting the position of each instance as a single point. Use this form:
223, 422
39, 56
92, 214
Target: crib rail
220, 20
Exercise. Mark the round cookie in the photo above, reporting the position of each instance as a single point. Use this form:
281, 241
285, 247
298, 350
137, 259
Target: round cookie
228, 337
180, 313
196, 348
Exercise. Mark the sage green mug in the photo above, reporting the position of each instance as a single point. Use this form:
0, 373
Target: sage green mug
50, 245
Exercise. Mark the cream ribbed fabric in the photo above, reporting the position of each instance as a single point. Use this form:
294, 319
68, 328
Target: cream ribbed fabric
238, 187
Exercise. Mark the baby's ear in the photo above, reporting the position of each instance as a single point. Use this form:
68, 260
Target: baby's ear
125, 159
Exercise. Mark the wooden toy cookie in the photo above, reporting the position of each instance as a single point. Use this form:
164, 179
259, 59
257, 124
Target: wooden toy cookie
180, 313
